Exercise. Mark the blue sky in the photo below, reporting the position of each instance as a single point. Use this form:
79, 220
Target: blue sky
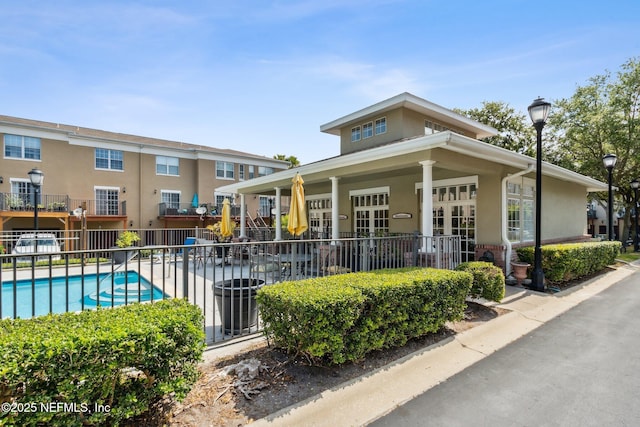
261, 76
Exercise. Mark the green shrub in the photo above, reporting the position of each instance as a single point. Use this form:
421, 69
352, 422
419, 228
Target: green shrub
340, 318
569, 261
123, 359
488, 280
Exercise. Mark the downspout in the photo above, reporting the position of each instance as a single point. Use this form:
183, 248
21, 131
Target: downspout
503, 216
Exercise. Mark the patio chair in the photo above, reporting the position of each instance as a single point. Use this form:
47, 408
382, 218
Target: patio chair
267, 267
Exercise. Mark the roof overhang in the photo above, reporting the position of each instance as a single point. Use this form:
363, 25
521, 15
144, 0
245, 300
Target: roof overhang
340, 166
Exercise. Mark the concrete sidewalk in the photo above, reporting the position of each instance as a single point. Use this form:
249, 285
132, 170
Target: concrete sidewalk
367, 398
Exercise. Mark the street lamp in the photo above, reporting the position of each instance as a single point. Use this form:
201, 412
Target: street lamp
635, 184
36, 176
538, 111
609, 163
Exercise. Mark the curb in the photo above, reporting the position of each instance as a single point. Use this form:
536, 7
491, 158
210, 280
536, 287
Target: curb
367, 398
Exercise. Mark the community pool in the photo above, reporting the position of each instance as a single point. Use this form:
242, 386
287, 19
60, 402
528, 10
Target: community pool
73, 293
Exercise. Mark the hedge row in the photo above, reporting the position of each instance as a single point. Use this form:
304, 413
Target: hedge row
488, 280
569, 261
340, 318
97, 367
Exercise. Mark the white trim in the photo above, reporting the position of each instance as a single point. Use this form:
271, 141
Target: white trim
471, 179
318, 196
366, 191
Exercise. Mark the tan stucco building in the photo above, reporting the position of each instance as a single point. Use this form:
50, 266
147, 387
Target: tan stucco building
394, 152
121, 181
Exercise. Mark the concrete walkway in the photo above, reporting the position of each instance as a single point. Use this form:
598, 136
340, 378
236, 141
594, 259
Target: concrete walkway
365, 399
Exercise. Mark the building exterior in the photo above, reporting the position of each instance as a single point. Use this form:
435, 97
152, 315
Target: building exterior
396, 152
118, 181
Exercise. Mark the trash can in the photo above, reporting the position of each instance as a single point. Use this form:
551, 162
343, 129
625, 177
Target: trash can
236, 302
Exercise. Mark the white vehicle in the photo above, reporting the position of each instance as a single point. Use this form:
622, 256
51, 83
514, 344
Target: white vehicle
47, 247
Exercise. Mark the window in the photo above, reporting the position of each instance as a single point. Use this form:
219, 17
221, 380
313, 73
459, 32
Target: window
224, 170
20, 194
109, 159
320, 216
430, 127
381, 125
264, 170
21, 147
252, 173
520, 210
355, 134
107, 201
367, 130
167, 166
241, 172
266, 204
171, 199
371, 212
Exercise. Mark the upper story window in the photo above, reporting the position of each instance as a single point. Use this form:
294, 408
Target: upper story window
355, 134
241, 172
381, 125
264, 170
167, 166
252, 172
430, 127
21, 147
224, 170
109, 159
367, 130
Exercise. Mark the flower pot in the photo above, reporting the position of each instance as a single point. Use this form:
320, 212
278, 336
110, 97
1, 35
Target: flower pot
520, 271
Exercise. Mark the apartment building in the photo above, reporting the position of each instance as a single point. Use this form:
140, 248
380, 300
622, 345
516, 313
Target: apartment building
116, 180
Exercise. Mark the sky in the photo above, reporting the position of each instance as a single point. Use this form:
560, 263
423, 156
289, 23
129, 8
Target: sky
262, 76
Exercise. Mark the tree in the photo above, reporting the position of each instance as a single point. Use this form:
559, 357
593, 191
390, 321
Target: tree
515, 130
603, 117
293, 160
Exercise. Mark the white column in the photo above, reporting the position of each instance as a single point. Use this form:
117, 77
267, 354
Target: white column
278, 214
335, 209
243, 217
427, 201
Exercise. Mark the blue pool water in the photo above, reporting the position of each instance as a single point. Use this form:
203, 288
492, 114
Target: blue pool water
105, 290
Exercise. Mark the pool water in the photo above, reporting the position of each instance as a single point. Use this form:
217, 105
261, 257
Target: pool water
105, 290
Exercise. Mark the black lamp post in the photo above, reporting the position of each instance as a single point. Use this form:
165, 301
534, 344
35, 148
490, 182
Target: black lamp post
538, 111
635, 184
36, 176
609, 163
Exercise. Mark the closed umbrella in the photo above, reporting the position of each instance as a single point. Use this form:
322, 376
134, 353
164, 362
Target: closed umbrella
194, 202
297, 211
225, 223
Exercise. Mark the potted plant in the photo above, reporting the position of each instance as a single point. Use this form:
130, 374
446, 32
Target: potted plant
215, 229
126, 239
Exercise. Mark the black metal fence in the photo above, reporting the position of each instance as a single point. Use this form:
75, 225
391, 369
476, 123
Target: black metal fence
221, 278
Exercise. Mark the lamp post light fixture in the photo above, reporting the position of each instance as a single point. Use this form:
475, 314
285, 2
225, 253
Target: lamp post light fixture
609, 161
635, 184
538, 111
36, 176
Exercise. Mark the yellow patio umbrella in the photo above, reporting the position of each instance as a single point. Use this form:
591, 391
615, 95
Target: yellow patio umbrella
297, 211
225, 223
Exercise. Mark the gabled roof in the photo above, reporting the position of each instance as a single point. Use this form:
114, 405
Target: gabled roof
414, 103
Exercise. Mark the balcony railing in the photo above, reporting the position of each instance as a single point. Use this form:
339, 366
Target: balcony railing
187, 209
60, 203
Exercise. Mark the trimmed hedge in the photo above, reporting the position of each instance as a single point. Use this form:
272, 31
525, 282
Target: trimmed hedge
569, 261
121, 360
488, 280
340, 318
